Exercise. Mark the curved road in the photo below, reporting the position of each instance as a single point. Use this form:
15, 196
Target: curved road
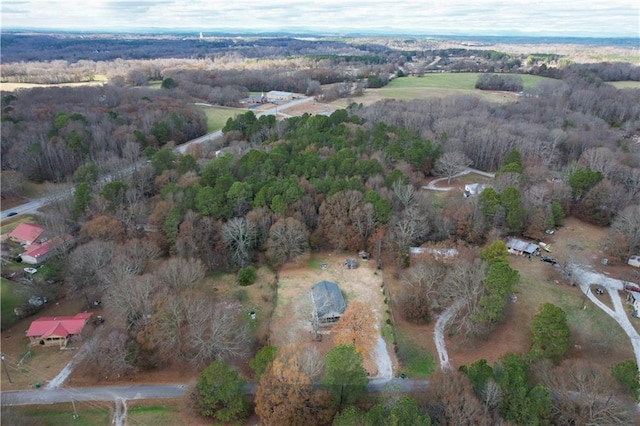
586, 279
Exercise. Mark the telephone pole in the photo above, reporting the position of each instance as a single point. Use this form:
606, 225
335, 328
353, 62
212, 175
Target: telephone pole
6, 370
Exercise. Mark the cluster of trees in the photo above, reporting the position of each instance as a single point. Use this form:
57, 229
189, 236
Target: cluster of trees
510, 83
480, 287
160, 316
48, 133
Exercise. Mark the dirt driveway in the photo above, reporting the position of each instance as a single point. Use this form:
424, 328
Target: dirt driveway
295, 282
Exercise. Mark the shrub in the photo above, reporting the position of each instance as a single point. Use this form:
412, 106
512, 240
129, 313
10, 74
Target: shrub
247, 276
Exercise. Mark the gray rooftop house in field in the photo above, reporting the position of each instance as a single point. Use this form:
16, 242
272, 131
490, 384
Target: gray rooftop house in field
517, 246
328, 302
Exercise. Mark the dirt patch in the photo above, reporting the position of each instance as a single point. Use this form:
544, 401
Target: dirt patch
363, 283
311, 107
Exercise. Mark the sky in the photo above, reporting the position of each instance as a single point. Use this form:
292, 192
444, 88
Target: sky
575, 18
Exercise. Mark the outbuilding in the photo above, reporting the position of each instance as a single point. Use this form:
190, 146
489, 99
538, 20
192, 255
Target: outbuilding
351, 263
277, 95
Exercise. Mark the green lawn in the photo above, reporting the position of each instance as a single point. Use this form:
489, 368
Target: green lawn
457, 81
141, 413
625, 84
436, 85
217, 116
88, 414
10, 297
415, 363
589, 325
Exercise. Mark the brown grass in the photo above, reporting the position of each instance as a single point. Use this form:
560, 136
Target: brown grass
595, 335
295, 282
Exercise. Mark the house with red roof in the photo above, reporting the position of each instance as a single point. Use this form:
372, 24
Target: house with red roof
51, 331
26, 233
38, 253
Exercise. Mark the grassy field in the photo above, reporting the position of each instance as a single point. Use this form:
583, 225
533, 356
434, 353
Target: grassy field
591, 328
416, 363
88, 414
10, 297
154, 413
436, 85
217, 116
625, 84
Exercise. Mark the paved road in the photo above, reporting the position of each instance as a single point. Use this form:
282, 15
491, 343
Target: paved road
103, 393
115, 393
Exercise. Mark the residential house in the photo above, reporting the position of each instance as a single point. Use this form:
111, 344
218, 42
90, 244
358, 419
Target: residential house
328, 302
38, 253
51, 331
523, 248
474, 189
26, 233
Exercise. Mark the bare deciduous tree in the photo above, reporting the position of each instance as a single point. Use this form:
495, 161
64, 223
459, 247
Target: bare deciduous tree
179, 273
215, 331
288, 239
133, 297
239, 236
624, 235
451, 163
86, 264
583, 394
405, 193
453, 401
108, 358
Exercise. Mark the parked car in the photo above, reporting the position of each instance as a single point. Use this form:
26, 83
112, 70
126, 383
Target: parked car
550, 260
549, 232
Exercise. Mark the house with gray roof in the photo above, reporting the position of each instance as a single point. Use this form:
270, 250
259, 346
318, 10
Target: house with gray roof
520, 247
328, 303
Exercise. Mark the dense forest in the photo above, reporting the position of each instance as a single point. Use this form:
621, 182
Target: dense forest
349, 181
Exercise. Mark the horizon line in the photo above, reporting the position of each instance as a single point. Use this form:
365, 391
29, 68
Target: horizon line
316, 33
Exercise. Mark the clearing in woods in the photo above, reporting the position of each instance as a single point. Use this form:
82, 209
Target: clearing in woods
363, 283
595, 335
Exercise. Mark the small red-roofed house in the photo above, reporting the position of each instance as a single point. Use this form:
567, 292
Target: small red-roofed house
37, 253
50, 331
26, 233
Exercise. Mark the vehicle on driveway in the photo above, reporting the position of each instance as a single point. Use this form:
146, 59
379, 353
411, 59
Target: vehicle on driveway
550, 260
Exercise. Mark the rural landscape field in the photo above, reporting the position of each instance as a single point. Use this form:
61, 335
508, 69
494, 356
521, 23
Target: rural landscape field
336, 230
